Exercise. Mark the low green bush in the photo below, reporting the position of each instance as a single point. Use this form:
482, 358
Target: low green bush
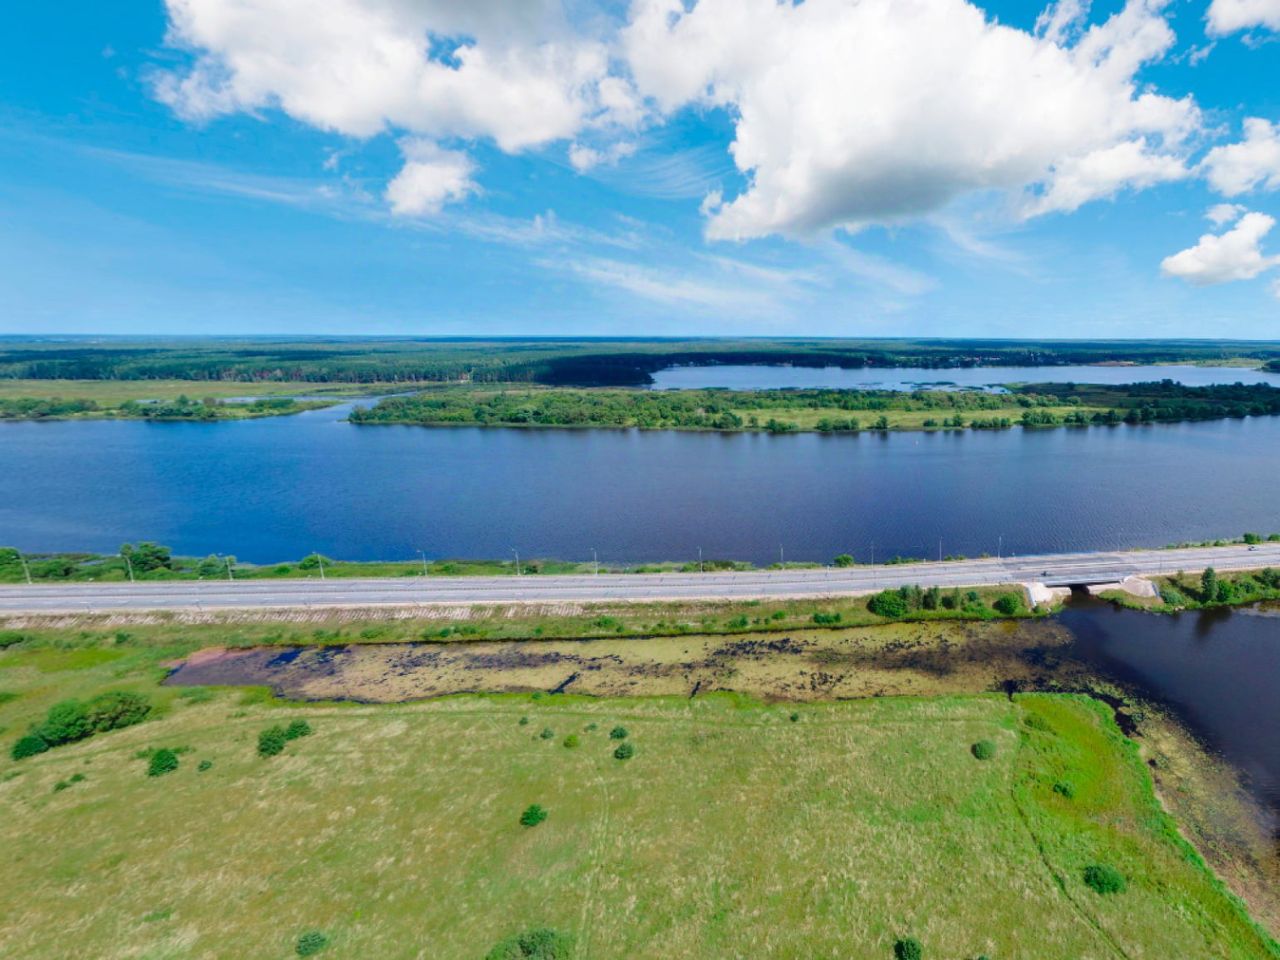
571, 741
1064, 789
542, 944
117, 709
311, 943
625, 751
28, 746
296, 729
271, 741
1103, 879
983, 749
547, 734
533, 815
888, 603
204, 765
524, 721
162, 761
908, 948
1008, 604
618, 733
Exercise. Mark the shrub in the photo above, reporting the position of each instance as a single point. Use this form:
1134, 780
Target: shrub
533, 815
571, 741
826, 619
625, 751
1007, 604
271, 741
524, 721
64, 723
1103, 879
591, 726
547, 733
618, 733
983, 749
888, 603
163, 761
204, 765
908, 948
1064, 789
112, 711
77, 778
311, 943
843, 560
543, 944
795, 717
296, 729
28, 746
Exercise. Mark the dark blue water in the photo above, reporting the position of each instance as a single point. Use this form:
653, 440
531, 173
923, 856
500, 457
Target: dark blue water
280, 488
761, 377
1217, 668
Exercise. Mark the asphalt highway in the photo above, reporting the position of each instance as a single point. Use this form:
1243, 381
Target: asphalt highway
1051, 570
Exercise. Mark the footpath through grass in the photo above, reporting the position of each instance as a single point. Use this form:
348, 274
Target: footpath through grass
734, 828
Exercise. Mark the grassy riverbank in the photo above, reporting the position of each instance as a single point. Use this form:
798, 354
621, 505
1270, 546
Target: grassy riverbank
736, 828
1181, 591
824, 411
170, 399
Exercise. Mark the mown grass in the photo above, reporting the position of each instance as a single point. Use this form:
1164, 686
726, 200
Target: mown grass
734, 830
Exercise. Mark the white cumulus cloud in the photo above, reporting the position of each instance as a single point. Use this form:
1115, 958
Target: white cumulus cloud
430, 178
1252, 163
1223, 257
516, 73
851, 112
1223, 213
1228, 16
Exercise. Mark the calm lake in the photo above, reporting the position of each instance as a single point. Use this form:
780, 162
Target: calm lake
758, 377
280, 488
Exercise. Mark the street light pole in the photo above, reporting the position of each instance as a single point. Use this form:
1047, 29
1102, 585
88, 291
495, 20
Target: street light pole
25, 569
422, 553
227, 559
939, 549
129, 567
321, 559
782, 559
595, 561
1000, 548
700, 570
517, 553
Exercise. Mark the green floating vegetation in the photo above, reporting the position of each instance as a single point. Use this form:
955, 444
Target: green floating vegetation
533, 815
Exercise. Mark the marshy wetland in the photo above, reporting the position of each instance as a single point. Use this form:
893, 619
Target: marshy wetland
840, 764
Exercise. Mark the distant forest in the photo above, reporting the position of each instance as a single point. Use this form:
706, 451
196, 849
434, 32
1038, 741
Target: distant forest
599, 362
1042, 405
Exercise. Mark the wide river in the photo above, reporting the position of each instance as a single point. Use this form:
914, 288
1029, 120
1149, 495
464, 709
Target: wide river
280, 488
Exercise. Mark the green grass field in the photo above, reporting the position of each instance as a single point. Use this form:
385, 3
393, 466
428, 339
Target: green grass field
734, 831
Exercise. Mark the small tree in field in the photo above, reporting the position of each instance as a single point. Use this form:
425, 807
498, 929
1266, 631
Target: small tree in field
843, 560
908, 948
163, 761
533, 815
271, 741
1103, 879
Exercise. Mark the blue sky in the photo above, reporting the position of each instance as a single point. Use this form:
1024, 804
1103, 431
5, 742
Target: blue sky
918, 167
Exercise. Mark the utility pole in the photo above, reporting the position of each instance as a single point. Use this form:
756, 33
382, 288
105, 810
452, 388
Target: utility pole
25, 569
228, 562
129, 567
1000, 548
595, 560
321, 559
782, 560
939, 549
423, 554
700, 570
517, 553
